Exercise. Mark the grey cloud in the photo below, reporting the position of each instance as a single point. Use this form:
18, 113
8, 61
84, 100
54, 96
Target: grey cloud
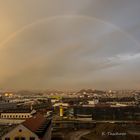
86, 45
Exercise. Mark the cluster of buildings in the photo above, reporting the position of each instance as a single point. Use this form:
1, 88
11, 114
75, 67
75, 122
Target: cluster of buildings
35, 128
30, 117
90, 104
25, 124
24, 119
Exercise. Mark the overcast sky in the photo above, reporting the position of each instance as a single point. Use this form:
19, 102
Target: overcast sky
69, 44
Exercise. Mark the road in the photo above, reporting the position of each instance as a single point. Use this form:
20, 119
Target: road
78, 134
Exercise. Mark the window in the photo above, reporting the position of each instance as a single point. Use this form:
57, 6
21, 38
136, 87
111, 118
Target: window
32, 138
22, 138
17, 138
7, 138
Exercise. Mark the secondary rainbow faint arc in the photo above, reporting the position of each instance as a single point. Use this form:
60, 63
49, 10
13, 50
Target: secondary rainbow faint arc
48, 19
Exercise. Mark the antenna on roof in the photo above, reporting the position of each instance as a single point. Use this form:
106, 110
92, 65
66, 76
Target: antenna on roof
31, 107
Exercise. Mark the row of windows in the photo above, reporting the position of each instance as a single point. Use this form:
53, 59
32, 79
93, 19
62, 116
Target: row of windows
15, 116
20, 138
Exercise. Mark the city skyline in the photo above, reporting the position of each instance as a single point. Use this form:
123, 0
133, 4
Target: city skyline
75, 44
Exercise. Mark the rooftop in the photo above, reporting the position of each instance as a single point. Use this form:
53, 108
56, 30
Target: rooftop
37, 124
17, 111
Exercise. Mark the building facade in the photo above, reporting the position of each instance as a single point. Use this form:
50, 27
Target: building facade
35, 128
16, 114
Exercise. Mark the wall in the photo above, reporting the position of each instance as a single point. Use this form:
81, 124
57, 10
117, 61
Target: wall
16, 133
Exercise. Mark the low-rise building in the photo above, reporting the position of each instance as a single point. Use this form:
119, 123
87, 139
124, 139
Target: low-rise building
35, 128
6, 105
17, 114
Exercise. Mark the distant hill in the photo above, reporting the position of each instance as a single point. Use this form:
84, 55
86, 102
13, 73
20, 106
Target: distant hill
90, 91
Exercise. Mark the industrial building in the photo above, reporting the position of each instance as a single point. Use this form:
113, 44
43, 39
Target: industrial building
106, 112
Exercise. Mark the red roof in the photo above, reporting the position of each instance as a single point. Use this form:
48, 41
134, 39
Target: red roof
35, 122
